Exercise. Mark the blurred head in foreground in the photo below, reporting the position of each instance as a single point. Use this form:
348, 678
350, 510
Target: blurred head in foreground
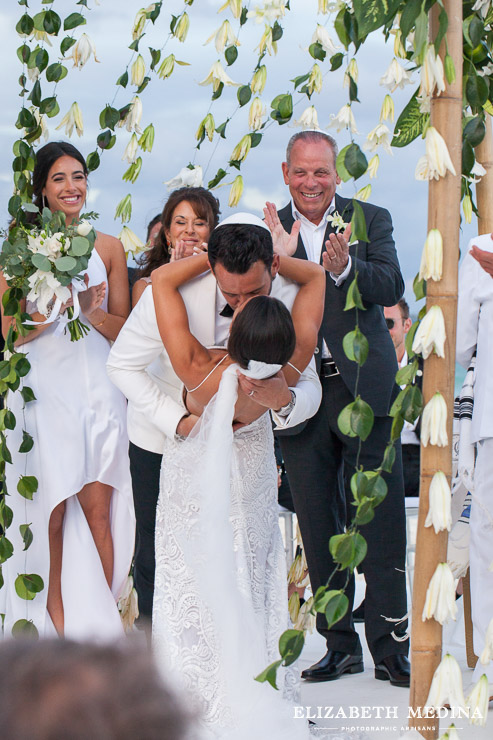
56, 689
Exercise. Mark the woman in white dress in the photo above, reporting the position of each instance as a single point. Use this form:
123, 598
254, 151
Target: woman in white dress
81, 516
220, 602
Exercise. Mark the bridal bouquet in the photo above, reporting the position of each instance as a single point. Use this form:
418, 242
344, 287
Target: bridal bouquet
44, 263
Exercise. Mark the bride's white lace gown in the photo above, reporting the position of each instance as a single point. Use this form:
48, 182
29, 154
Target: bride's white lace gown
220, 602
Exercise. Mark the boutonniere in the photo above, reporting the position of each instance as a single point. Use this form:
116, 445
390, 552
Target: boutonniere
337, 222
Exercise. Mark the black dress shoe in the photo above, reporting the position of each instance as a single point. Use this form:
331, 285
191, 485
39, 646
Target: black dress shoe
394, 668
359, 613
333, 665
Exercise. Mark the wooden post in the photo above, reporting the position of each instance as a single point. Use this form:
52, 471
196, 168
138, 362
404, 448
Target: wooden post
484, 188
443, 214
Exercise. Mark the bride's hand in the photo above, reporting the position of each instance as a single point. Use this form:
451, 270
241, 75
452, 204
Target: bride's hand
284, 243
92, 298
273, 393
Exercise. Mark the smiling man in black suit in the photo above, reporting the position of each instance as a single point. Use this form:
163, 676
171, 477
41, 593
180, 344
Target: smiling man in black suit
320, 460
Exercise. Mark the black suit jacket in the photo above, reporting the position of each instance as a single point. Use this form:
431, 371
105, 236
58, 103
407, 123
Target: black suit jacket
381, 284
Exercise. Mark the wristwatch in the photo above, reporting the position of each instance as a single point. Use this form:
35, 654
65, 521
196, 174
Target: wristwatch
286, 410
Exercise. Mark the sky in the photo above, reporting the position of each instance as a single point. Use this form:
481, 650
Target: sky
177, 105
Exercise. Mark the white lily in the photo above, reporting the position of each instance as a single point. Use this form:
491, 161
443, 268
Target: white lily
477, 172
487, 653
387, 110
72, 118
42, 287
437, 158
439, 511
146, 141
432, 76
224, 36
430, 334
130, 153
206, 128
483, 6
181, 28
236, 192
322, 37
432, 257
363, 193
216, 76
336, 221
399, 50
344, 119
446, 686
33, 73
395, 76
256, 114
258, 80
131, 242
128, 605
434, 422
301, 616
373, 165
308, 119
267, 44
187, 177
467, 208
140, 21
124, 209
132, 119
41, 121
133, 171
477, 702
270, 12
241, 150
315, 81
138, 71
234, 6
379, 136
440, 596
82, 50
351, 73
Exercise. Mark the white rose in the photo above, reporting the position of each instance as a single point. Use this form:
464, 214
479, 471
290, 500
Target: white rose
84, 228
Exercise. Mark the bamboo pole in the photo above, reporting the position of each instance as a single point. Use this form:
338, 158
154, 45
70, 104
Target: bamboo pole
484, 188
443, 214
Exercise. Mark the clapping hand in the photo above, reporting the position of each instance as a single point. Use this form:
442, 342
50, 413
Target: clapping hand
336, 255
284, 243
180, 250
484, 258
91, 298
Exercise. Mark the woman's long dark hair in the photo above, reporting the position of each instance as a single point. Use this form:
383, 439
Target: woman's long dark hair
205, 206
46, 158
263, 330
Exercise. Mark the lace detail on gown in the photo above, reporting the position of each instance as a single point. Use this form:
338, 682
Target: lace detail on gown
217, 620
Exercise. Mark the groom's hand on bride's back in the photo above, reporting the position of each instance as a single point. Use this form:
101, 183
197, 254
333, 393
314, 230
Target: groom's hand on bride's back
186, 424
273, 393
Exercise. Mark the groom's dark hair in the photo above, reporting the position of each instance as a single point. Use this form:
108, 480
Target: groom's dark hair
239, 246
262, 330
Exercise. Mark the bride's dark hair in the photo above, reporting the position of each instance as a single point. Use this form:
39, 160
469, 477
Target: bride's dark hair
263, 330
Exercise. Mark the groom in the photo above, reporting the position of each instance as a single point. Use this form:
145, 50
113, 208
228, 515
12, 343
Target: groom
243, 265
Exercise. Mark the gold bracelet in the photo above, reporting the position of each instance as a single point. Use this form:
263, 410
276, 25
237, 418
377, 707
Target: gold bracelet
101, 322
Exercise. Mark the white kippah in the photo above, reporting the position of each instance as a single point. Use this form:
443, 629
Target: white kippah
243, 218
260, 370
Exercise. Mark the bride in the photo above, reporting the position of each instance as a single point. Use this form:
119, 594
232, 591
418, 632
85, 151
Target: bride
220, 601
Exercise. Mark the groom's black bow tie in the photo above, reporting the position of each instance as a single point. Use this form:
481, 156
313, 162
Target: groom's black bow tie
227, 311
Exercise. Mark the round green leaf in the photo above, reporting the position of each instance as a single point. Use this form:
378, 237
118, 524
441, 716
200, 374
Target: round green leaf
231, 54
356, 346
342, 549
41, 262
355, 161
27, 585
52, 22
244, 94
361, 418
24, 628
344, 421
25, 25
79, 246
65, 263
27, 486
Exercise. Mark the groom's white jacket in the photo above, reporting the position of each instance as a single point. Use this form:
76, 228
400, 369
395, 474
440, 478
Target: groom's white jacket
140, 367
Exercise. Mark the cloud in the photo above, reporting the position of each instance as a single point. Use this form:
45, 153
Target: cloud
254, 198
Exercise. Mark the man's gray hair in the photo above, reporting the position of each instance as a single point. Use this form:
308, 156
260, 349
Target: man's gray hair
311, 136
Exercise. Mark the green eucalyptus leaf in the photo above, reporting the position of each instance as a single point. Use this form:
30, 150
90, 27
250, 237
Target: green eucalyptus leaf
79, 246
27, 486
290, 645
23, 629
27, 585
269, 674
336, 608
41, 261
27, 535
65, 263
